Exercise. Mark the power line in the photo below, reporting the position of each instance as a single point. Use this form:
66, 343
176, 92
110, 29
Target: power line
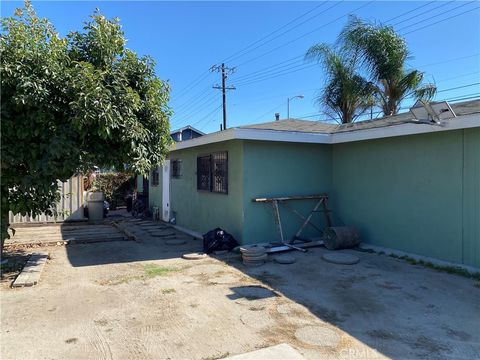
459, 87
196, 98
208, 115
235, 55
465, 97
283, 33
274, 74
458, 76
250, 78
297, 59
292, 65
409, 97
422, 13
200, 107
286, 71
210, 120
450, 60
284, 66
442, 20
191, 85
409, 12
303, 35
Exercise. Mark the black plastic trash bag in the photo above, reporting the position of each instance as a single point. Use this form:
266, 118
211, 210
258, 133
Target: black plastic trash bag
218, 239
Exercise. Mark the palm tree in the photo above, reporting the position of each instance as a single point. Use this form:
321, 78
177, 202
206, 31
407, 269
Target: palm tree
383, 54
346, 95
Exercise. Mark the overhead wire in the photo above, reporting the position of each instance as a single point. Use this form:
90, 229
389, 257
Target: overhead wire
409, 12
202, 76
236, 54
262, 76
292, 65
442, 20
422, 13
304, 35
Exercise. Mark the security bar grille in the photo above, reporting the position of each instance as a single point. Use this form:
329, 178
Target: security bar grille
212, 172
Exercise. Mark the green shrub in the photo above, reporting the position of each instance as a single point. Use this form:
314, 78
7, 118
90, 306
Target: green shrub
115, 187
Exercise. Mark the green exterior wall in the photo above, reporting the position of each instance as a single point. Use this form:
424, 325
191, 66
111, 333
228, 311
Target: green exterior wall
471, 197
203, 211
418, 194
274, 169
155, 191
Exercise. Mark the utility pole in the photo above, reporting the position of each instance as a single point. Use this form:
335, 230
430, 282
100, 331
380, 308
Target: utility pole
225, 72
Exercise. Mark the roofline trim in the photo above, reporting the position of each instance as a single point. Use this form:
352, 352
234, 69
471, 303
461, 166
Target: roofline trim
460, 122
187, 127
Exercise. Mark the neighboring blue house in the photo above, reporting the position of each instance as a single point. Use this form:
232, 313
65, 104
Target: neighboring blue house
185, 133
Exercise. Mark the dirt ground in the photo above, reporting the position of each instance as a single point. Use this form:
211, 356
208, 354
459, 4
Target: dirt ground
141, 300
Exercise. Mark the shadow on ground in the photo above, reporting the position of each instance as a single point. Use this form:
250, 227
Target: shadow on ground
151, 244
398, 310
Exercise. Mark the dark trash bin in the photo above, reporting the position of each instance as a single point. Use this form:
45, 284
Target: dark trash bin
129, 201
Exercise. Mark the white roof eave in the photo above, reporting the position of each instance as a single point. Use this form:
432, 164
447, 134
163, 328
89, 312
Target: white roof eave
461, 122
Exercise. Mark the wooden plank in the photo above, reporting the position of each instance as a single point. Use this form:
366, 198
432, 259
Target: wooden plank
309, 217
280, 248
285, 198
277, 219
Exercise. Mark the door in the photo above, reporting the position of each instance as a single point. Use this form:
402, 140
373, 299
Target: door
166, 191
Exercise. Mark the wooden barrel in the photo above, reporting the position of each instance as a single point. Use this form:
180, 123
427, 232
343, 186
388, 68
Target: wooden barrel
341, 237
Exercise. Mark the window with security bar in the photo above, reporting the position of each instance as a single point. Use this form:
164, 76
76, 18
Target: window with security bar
212, 172
176, 166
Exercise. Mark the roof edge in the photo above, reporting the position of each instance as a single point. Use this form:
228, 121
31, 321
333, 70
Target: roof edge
408, 128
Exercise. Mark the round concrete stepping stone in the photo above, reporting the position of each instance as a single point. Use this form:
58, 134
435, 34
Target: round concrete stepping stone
340, 258
194, 256
318, 335
284, 259
176, 242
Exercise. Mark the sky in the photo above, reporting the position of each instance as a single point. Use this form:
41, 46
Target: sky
265, 42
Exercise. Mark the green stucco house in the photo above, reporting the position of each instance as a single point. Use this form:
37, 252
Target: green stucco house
406, 184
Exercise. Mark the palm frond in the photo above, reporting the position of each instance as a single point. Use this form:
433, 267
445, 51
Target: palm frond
346, 95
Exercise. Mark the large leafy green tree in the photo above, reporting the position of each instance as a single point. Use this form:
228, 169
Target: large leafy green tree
70, 103
383, 54
346, 94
